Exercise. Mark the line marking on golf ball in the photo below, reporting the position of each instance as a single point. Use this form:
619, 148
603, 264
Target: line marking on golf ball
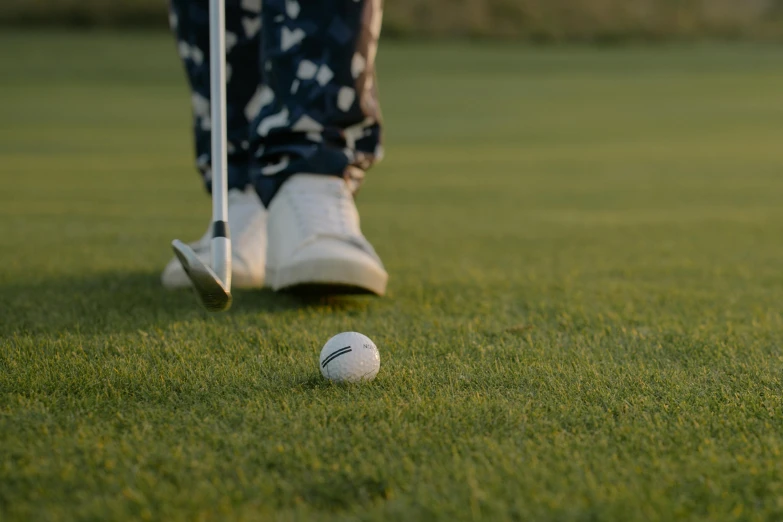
335, 355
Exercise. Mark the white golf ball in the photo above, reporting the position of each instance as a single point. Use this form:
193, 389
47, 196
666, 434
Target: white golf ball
350, 357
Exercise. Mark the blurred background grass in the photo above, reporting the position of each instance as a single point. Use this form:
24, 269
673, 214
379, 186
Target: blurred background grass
599, 21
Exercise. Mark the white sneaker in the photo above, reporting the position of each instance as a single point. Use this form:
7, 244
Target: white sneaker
247, 226
315, 239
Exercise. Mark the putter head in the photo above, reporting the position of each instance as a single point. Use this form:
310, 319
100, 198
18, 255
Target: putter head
211, 290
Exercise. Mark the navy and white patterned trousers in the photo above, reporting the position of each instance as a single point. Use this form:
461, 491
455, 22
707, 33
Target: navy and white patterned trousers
301, 93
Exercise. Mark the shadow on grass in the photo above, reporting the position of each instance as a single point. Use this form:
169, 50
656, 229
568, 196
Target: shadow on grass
130, 301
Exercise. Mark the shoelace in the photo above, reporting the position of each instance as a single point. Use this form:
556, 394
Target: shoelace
325, 213
329, 212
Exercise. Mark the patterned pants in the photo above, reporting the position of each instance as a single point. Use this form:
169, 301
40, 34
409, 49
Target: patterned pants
301, 94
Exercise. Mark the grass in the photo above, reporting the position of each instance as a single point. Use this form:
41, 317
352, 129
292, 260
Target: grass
584, 319
596, 21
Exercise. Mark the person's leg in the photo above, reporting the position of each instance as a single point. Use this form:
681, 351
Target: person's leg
247, 217
189, 19
318, 108
317, 130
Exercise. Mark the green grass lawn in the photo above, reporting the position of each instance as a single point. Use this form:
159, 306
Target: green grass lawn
584, 317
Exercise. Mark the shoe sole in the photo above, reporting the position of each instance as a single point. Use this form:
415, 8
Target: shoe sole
238, 280
328, 277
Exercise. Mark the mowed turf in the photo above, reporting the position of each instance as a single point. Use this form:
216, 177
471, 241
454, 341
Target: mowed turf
583, 321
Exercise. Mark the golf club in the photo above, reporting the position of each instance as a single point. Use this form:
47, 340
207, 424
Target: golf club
213, 285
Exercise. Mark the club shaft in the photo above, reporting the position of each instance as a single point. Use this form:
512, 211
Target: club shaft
217, 42
221, 247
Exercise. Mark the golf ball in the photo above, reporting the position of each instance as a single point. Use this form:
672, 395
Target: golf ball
350, 357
